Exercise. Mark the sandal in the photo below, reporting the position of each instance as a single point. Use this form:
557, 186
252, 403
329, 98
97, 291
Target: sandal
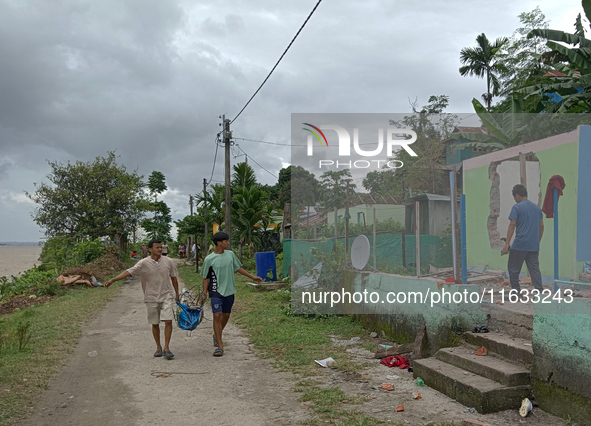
215, 341
218, 352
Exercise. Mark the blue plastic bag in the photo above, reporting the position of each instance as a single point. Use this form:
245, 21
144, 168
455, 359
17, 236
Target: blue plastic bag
188, 319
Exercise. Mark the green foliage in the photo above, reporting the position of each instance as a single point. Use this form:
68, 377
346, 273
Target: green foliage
23, 284
158, 226
51, 288
484, 61
64, 252
325, 230
332, 265
521, 57
156, 183
23, 334
573, 61
335, 187
96, 199
298, 186
423, 173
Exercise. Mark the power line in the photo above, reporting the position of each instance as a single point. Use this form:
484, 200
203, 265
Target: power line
288, 144
254, 161
263, 83
268, 143
214, 158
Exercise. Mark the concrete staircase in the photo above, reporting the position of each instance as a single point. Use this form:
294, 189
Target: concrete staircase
495, 382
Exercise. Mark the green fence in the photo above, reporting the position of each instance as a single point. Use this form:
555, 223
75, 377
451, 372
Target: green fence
435, 250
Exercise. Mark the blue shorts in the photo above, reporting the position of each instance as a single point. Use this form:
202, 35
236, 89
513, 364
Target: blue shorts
222, 304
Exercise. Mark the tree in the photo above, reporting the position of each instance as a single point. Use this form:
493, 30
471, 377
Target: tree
573, 84
483, 61
423, 173
298, 186
93, 199
381, 182
334, 187
520, 55
158, 226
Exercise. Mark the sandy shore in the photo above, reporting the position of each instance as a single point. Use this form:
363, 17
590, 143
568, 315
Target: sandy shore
17, 259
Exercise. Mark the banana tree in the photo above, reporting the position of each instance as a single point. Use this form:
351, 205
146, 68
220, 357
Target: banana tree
573, 62
504, 129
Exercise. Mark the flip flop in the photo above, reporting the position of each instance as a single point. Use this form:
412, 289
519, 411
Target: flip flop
215, 341
218, 352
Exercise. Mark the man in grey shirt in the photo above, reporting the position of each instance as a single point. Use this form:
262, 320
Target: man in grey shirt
156, 274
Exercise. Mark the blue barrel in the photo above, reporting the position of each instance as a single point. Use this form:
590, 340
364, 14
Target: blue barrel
265, 261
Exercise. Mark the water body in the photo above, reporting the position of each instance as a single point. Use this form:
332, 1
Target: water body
17, 259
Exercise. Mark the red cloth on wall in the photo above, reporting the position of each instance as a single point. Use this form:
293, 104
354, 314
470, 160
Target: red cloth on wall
556, 181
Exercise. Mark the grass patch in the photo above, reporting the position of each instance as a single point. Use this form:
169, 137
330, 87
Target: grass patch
45, 333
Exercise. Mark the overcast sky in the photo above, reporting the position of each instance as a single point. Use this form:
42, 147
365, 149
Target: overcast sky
149, 78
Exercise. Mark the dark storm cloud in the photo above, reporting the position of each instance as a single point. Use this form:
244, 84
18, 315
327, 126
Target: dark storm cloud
150, 78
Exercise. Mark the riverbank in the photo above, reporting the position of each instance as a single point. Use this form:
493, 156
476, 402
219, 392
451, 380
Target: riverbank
15, 260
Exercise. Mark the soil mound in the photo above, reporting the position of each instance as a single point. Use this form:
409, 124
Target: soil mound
22, 302
100, 268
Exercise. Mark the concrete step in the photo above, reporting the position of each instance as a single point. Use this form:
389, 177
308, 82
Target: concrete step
489, 366
515, 319
512, 348
486, 395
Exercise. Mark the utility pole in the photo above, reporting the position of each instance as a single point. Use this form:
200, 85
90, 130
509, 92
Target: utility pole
205, 205
347, 222
227, 135
191, 206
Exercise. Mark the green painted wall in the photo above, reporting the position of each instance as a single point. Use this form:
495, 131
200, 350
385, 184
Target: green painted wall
383, 212
561, 160
562, 359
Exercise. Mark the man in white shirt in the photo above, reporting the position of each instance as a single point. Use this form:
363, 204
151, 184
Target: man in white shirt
156, 274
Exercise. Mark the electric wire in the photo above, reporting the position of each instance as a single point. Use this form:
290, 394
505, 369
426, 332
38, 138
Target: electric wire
254, 161
214, 160
269, 75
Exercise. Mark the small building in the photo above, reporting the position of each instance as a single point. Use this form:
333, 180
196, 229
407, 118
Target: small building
434, 215
361, 210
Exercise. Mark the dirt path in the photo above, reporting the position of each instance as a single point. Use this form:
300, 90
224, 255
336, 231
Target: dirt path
116, 386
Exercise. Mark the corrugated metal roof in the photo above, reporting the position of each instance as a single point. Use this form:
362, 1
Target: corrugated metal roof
428, 197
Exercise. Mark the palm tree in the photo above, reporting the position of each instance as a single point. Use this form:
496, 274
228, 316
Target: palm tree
483, 61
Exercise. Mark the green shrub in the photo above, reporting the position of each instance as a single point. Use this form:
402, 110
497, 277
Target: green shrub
23, 334
23, 284
63, 252
51, 288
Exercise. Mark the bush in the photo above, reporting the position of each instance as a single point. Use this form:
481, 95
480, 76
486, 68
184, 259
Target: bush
68, 252
33, 278
51, 288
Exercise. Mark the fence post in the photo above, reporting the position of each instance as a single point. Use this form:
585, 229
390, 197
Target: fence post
463, 239
418, 238
452, 185
375, 264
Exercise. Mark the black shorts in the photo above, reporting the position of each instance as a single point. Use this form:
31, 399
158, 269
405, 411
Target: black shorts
222, 304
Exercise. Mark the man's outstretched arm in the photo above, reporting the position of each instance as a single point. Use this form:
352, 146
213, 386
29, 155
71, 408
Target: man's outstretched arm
119, 277
249, 275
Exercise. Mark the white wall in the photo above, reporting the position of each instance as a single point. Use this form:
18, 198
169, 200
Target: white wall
509, 176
